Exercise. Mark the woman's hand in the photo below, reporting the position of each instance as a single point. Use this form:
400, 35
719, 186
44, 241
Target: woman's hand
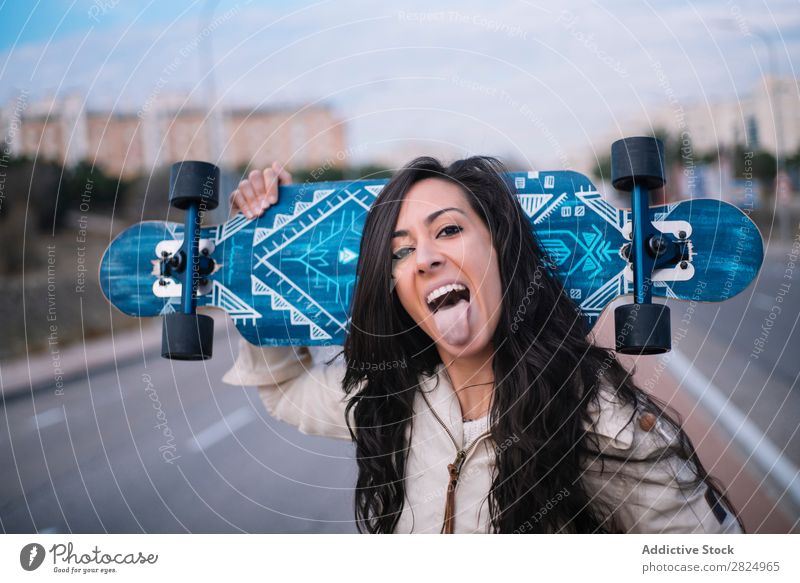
259, 191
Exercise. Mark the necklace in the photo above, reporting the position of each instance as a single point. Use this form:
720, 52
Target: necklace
466, 419
476, 384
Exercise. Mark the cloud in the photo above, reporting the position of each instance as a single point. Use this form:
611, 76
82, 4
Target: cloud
535, 82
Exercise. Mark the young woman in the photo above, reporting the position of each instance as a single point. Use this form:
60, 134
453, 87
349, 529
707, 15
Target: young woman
470, 414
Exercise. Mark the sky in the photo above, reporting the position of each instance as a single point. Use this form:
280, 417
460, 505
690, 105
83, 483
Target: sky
544, 84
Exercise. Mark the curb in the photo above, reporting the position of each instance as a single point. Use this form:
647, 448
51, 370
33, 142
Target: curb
52, 370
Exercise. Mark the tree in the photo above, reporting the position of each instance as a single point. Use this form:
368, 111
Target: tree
86, 183
762, 165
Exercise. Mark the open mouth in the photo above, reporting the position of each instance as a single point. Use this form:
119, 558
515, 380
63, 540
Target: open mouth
447, 296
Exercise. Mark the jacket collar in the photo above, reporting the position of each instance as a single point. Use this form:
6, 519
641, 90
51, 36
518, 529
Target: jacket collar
609, 418
443, 400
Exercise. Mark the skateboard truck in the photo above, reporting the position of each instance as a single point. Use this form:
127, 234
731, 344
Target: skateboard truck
187, 335
637, 166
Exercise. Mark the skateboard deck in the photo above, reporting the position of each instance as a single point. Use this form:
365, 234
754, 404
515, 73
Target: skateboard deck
287, 277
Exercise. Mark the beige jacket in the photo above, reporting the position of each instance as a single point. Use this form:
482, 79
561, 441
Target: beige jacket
308, 395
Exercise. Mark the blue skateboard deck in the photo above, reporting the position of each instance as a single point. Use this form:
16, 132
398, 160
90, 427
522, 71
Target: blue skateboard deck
287, 277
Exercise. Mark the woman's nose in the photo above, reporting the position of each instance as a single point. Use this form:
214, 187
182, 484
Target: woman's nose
428, 257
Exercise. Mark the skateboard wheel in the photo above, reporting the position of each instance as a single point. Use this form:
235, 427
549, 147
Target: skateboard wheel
638, 160
187, 336
643, 329
194, 182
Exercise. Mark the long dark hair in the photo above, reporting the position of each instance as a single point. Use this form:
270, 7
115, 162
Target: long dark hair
545, 368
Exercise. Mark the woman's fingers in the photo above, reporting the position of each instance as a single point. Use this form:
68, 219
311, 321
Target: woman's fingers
256, 179
271, 182
274, 176
248, 202
238, 202
283, 175
260, 190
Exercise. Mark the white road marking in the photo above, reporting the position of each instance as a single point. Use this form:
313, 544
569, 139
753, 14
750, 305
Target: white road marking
763, 301
742, 430
221, 429
49, 417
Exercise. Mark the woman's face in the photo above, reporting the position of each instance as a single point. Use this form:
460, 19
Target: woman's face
440, 241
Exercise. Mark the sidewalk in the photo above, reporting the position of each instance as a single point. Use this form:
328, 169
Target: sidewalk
53, 369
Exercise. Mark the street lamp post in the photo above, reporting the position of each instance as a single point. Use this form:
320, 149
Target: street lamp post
773, 88
214, 121
206, 56
774, 96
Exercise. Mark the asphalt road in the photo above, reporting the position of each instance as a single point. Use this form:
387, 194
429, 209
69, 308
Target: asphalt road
160, 446
749, 348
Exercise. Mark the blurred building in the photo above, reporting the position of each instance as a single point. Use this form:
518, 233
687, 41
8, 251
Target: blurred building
708, 132
130, 143
766, 119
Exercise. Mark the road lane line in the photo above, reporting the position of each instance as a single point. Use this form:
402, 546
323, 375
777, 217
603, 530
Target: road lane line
221, 429
47, 418
763, 302
743, 431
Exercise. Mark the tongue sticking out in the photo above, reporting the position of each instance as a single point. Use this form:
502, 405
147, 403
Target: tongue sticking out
452, 322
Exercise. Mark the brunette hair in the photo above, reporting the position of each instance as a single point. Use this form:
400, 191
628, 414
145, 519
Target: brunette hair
547, 373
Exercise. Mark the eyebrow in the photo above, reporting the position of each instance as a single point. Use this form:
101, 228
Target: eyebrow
429, 219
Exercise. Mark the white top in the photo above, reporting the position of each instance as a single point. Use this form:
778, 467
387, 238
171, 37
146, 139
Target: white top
474, 428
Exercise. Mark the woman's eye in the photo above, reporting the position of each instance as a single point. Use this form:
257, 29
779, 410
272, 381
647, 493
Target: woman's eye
402, 252
451, 230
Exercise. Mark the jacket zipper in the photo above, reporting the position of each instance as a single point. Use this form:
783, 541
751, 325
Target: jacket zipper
454, 469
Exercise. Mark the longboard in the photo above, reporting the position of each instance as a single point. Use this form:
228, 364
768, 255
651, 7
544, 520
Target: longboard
287, 277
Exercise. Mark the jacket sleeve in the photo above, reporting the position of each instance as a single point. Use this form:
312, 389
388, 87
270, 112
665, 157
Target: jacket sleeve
293, 388
650, 496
